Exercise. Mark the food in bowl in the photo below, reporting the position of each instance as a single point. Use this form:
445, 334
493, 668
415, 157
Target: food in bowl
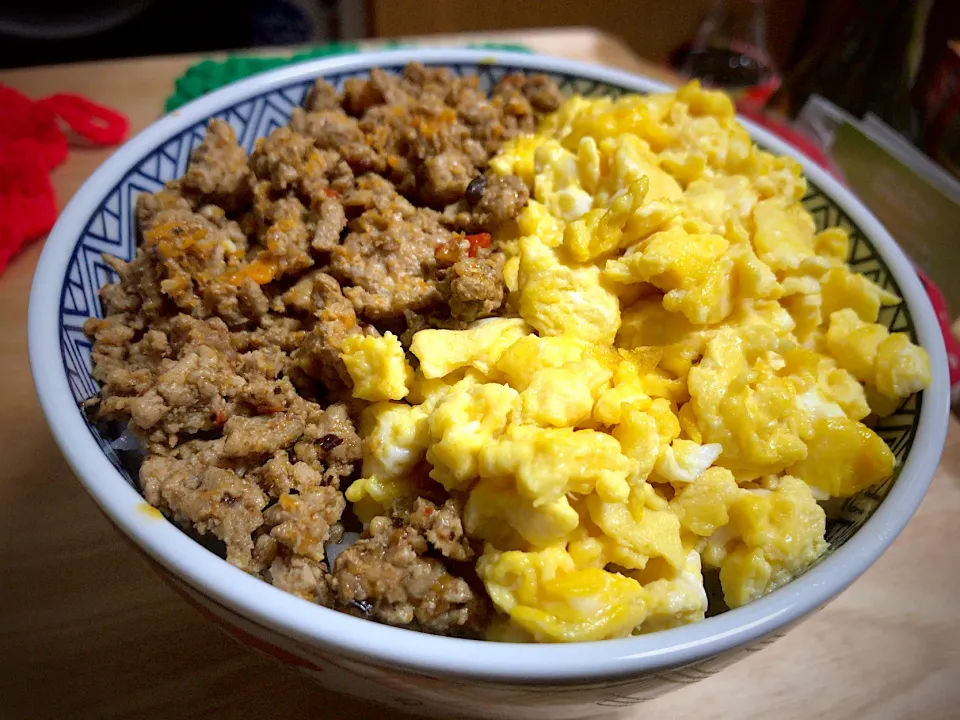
551, 360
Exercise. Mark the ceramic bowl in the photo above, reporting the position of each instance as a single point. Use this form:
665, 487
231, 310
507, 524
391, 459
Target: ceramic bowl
402, 668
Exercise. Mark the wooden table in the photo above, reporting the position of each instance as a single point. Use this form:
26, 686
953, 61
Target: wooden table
87, 630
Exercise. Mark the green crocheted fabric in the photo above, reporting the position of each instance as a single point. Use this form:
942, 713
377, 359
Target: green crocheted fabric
208, 75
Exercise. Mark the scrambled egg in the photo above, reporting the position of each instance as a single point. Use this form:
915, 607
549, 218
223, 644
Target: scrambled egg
772, 536
377, 367
685, 374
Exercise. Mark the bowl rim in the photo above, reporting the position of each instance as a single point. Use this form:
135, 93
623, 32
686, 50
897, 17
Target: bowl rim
412, 651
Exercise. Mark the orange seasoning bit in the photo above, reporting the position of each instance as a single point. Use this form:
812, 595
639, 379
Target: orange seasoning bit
348, 319
174, 238
331, 193
260, 271
447, 252
430, 125
286, 224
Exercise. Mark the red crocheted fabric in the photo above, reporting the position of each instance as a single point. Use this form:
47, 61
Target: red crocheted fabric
32, 144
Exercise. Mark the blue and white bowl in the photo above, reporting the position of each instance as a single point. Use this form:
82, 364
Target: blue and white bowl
401, 668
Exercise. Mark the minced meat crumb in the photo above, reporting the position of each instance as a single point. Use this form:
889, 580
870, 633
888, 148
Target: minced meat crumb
219, 347
387, 575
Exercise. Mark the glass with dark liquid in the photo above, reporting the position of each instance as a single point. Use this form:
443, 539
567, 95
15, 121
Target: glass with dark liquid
730, 51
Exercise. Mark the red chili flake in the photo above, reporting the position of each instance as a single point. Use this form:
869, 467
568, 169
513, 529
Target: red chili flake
428, 511
331, 193
477, 240
220, 416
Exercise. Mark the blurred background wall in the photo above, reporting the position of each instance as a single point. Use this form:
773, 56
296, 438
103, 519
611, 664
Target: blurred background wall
880, 56
42, 31
653, 28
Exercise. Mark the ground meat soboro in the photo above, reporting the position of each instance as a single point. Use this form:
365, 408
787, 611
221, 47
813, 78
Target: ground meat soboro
388, 576
387, 259
219, 348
